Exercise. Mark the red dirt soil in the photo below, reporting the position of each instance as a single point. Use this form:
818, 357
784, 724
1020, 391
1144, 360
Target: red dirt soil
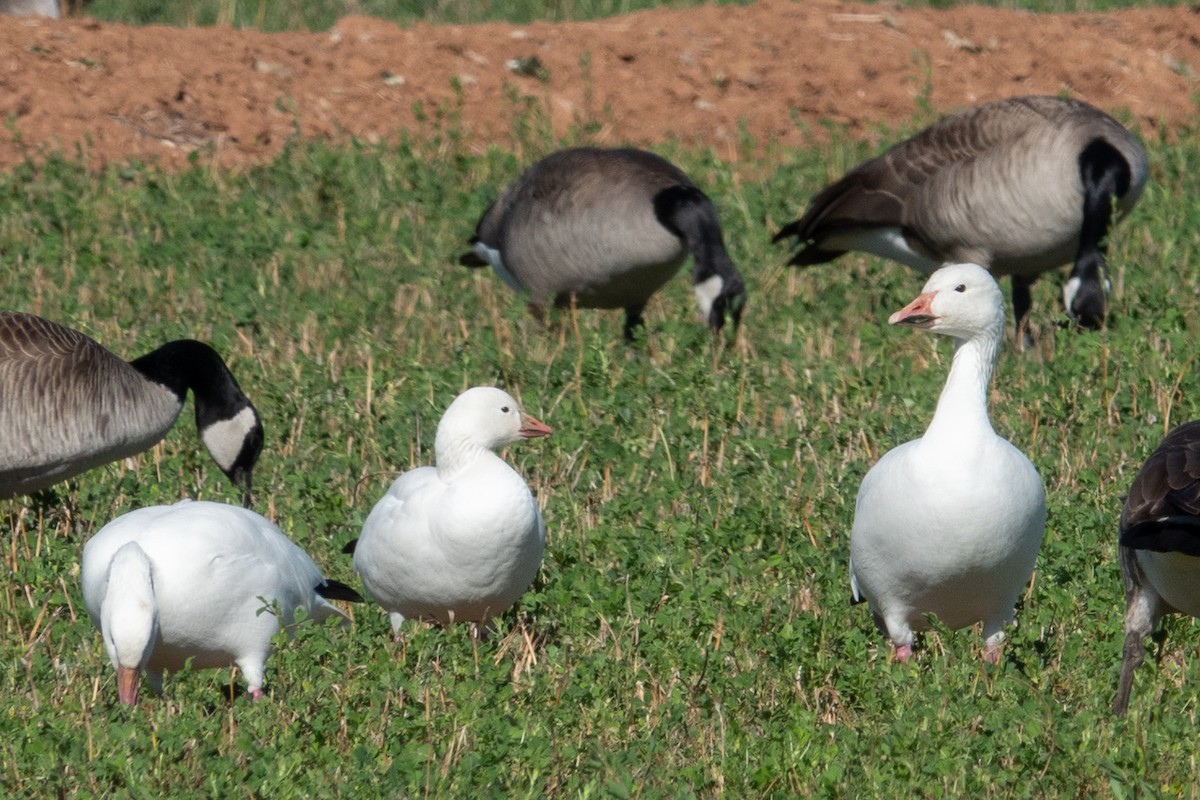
775, 69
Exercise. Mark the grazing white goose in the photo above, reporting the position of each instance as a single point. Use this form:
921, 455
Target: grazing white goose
462, 541
1160, 545
606, 229
199, 581
951, 523
1021, 186
71, 405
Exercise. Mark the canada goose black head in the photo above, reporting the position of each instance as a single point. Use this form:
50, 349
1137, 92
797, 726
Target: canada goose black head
226, 420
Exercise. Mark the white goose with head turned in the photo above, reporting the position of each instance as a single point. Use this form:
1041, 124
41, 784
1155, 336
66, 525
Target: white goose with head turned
462, 541
951, 523
1160, 545
71, 405
607, 228
199, 583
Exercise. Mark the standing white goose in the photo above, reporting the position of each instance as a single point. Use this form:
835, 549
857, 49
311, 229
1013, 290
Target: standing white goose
951, 523
1160, 545
199, 583
1020, 186
462, 541
71, 405
606, 229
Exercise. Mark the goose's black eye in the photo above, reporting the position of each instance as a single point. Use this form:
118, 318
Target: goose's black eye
504, 409
962, 287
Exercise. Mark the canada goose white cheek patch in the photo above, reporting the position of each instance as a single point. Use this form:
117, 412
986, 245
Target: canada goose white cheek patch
707, 292
224, 439
1071, 288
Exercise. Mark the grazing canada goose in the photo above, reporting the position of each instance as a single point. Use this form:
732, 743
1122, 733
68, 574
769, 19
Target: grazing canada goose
1160, 545
462, 541
951, 523
70, 405
201, 584
1020, 186
606, 229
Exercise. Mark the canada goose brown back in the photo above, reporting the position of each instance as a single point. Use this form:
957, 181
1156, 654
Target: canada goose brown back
606, 229
67, 405
1020, 186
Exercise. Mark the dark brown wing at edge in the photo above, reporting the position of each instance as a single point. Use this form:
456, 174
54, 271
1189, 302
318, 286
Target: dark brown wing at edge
1162, 511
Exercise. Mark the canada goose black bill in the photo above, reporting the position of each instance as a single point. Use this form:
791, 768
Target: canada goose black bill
1159, 546
601, 228
1020, 186
71, 405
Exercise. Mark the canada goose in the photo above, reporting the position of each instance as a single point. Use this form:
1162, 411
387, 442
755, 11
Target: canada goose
201, 584
951, 523
1160, 545
606, 229
1019, 185
70, 405
462, 541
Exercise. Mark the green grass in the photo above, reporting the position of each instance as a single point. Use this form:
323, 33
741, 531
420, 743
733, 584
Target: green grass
281, 15
689, 633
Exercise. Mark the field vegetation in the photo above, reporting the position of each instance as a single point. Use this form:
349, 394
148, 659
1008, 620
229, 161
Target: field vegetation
690, 632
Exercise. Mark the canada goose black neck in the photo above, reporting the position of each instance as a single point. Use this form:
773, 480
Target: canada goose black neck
229, 425
689, 214
1106, 177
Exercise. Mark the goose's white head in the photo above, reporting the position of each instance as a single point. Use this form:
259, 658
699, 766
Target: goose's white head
129, 618
488, 418
959, 300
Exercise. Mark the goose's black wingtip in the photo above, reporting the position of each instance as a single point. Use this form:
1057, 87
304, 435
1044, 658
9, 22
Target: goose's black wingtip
336, 590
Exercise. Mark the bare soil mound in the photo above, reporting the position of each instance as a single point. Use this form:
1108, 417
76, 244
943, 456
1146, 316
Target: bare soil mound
775, 69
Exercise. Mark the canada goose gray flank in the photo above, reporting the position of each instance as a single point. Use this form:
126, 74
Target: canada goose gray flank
1020, 186
70, 405
1160, 546
602, 228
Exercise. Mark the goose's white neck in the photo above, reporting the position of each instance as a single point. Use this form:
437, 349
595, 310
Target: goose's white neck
962, 408
455, 451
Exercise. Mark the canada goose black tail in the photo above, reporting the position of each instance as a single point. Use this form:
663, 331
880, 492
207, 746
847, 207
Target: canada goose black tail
472, 259
336, 590
1179, 534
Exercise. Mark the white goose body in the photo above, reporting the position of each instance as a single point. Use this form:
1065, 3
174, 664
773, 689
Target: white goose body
71, 405
189, 582
951, 523
461, 541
